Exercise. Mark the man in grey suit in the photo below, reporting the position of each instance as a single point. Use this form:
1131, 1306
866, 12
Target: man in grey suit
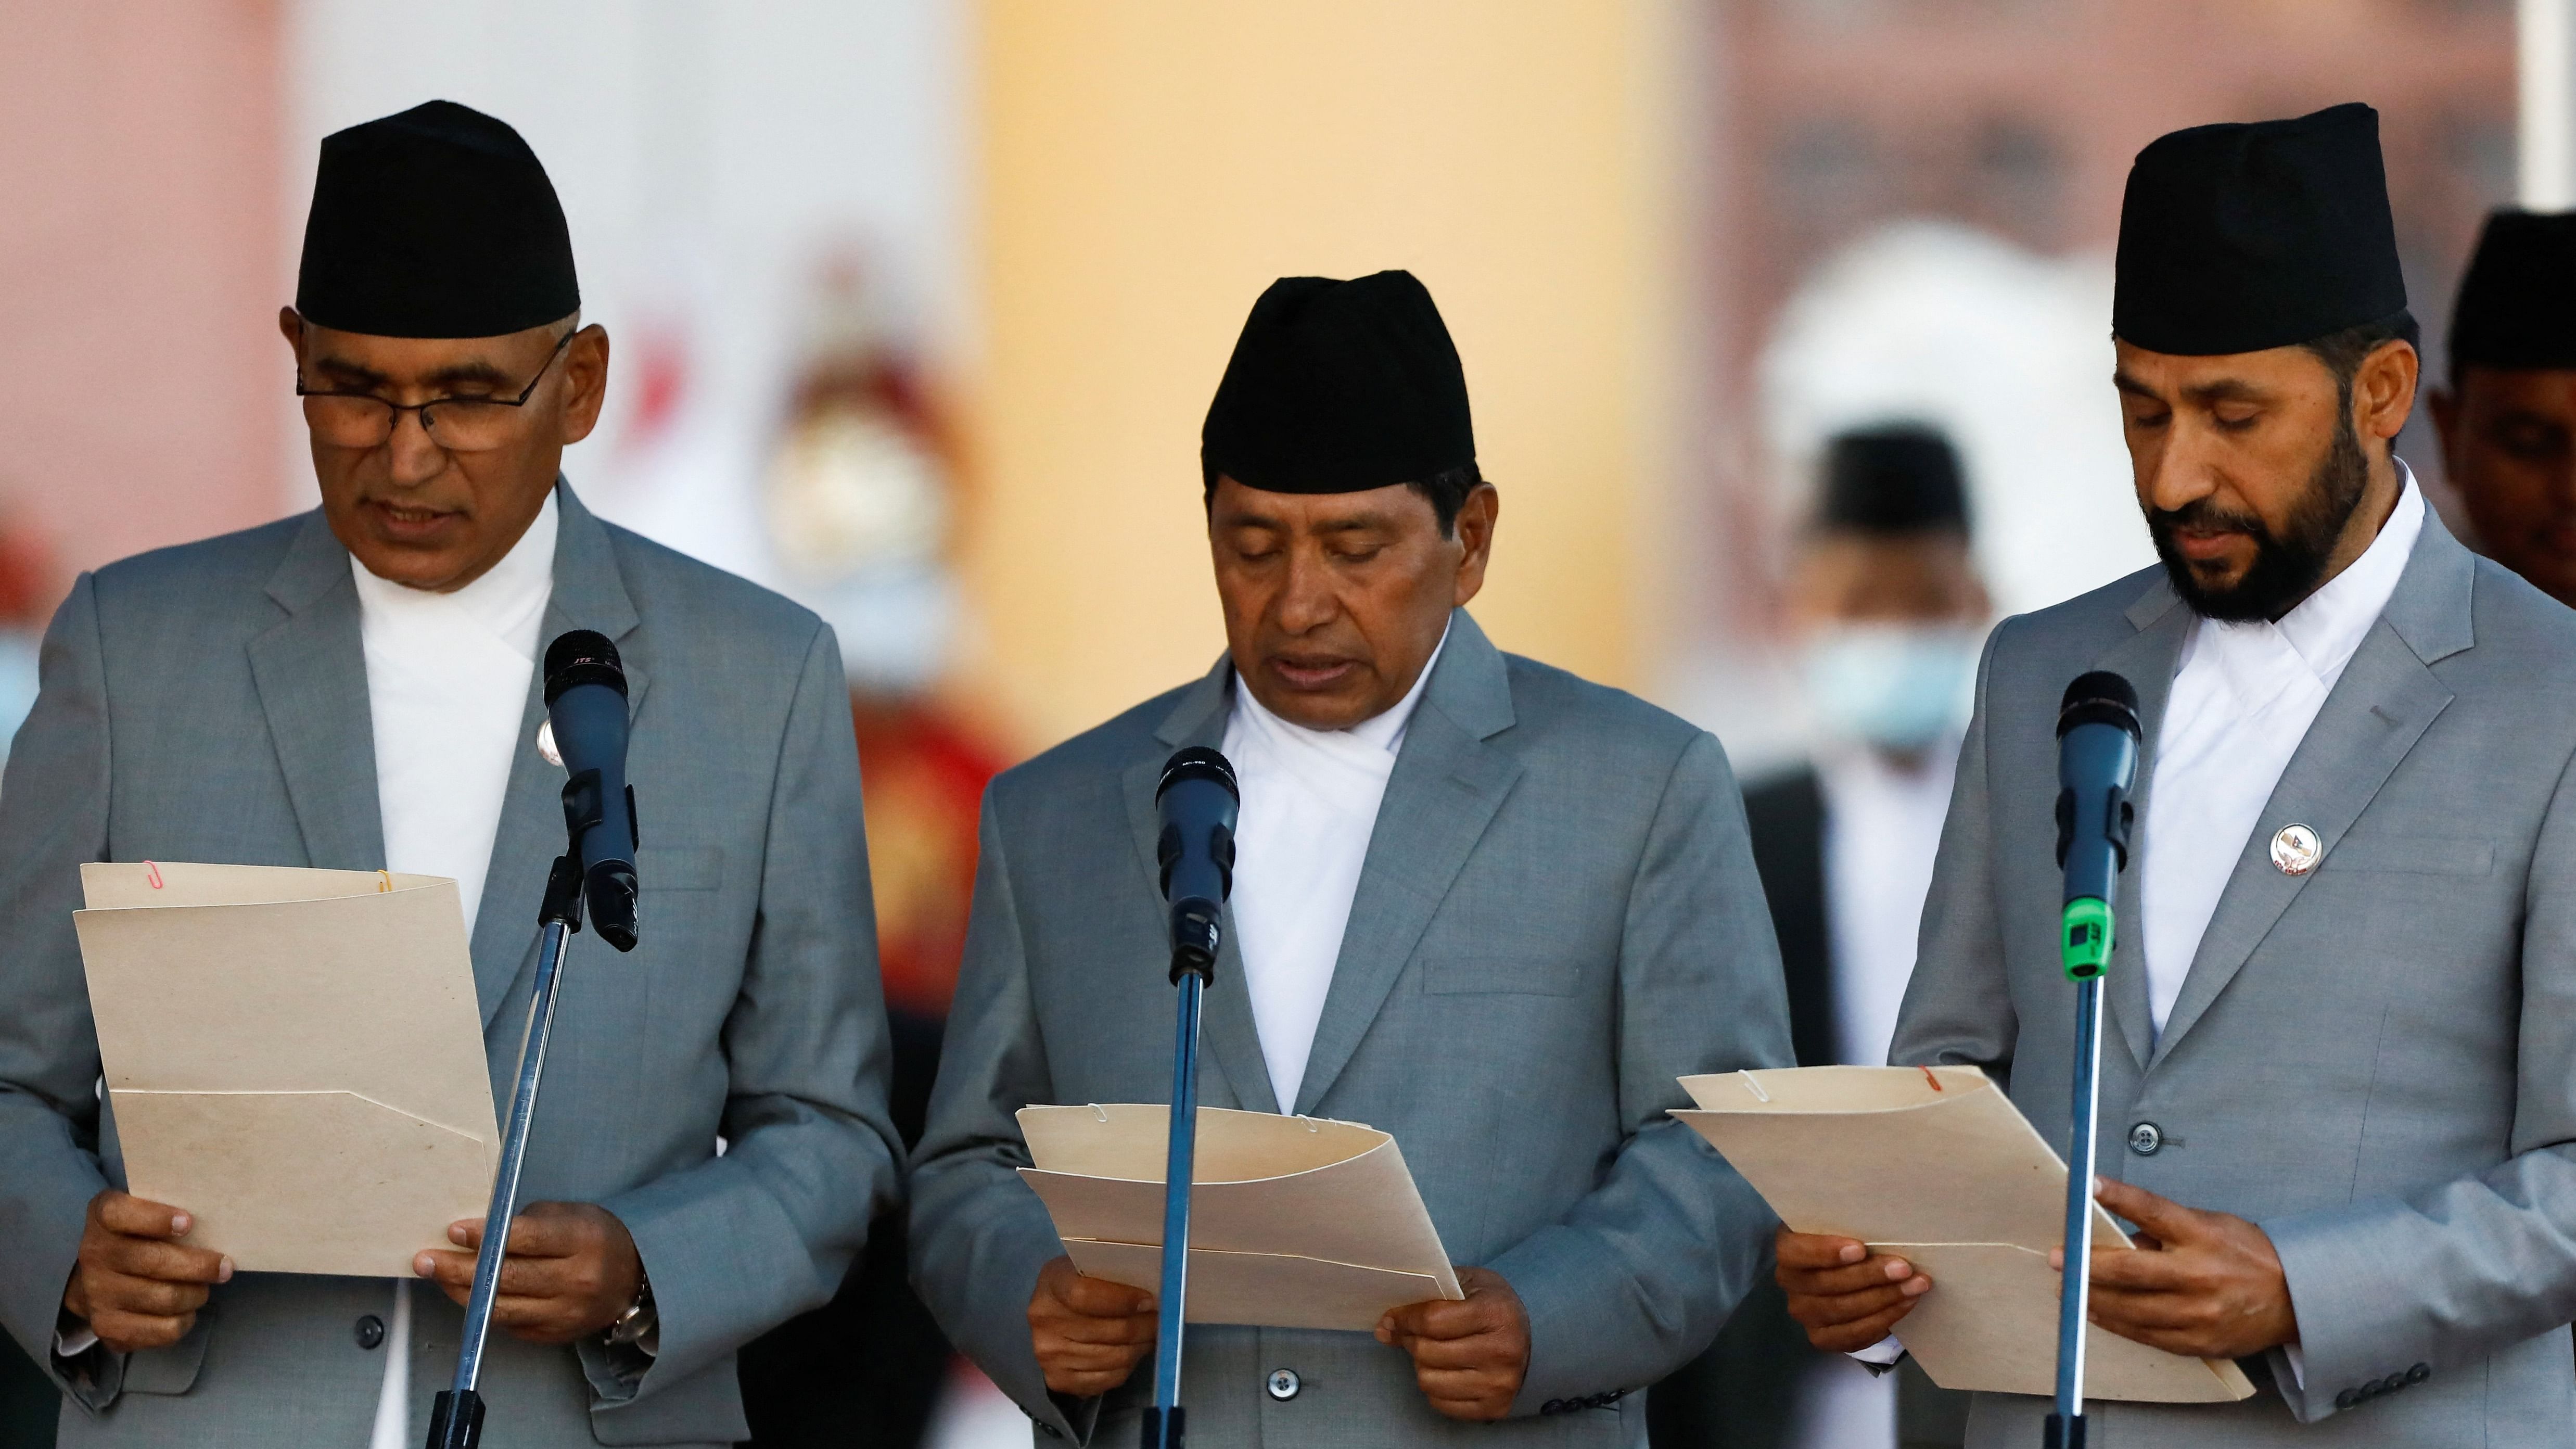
1478, 903
2340, 1076
356, 688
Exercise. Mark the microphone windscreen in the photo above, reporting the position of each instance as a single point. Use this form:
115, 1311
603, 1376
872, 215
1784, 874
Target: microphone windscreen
1198, 762
2099, 697
582, 656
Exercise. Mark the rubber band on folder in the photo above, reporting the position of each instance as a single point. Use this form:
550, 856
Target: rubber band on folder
152, 873
384, 882
1753, 1086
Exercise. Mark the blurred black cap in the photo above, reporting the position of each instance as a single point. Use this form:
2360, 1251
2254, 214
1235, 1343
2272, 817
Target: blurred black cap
438, 222
2237, 238
2517, 305
1339, 387
1893, 478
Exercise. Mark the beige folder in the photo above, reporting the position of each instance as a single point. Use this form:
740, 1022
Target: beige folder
1937, 1165
1295, 1222
295, 1057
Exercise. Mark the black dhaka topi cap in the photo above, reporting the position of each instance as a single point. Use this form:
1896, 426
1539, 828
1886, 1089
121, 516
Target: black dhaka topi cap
2517, 305
2236, 238
1893, 478
1338, 387
438, 222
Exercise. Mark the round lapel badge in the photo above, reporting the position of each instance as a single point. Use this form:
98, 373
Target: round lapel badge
2294, 850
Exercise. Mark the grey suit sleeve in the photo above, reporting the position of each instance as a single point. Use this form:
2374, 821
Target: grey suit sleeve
1647, 1267
2445, 1276
739, 1243
53, 817
978, 1234
1958, 1007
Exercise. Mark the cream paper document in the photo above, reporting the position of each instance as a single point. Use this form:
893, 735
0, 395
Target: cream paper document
294, 1056
1295, 1222
1936, 1165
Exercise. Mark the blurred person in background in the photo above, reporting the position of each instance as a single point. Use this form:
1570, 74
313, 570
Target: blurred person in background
1888, 611
2508, 418
1477, 901
861, 503
357, 688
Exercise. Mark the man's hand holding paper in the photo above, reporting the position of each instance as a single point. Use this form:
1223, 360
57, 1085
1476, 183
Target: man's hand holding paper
138, 1284
571, 1270
2200, 1284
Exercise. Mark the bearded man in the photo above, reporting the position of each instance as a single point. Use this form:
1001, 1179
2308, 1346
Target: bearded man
2340, 1080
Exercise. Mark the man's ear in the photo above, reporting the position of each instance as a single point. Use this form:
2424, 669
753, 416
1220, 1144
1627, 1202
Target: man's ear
586, 375
290, 325
1475, 531
2383, 389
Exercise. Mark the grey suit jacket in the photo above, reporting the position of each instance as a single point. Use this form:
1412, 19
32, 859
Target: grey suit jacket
1557, 916
2376, 1062
209, 703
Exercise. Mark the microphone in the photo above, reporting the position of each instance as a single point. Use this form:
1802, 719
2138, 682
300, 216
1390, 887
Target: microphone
586, 709
2097, 763
1196, 800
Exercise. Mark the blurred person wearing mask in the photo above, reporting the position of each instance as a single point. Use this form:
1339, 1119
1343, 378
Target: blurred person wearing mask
1477, 901
2508, 418
2338, 1070
1888, 610
357, 688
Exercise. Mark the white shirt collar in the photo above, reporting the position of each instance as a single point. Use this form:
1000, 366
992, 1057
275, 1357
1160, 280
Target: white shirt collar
1384, 730
509, 600
2327, 627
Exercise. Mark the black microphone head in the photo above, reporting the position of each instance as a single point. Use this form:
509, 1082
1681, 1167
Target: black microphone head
2100, 697
582, 656
1197, 762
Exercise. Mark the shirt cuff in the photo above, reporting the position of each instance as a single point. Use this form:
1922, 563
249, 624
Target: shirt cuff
1882, 1354
2298, 1365
71, 1343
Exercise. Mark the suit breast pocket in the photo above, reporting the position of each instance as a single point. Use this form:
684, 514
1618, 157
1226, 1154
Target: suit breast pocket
1499, 974
2414, 855
680, 868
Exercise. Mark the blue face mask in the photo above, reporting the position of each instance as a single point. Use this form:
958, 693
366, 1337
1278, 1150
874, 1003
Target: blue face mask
1896, 686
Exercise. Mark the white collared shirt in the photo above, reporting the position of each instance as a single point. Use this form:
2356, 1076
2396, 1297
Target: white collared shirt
447, 687
2243, 698
1310, 800
1882, 826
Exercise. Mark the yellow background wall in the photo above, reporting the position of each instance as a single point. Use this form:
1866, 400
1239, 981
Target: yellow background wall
1148, 166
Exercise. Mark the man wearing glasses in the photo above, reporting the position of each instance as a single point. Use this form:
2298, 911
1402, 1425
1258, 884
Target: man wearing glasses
357, 688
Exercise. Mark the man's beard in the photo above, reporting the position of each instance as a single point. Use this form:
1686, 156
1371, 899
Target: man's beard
2287, 567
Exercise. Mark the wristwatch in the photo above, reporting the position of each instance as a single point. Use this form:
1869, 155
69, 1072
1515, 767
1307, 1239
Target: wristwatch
634, 1327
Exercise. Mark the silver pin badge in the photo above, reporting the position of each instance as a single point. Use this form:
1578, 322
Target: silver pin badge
554, 757
2294, 850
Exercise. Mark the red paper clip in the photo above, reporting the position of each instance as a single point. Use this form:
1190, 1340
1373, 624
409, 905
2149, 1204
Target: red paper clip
1935, 1081
152, 873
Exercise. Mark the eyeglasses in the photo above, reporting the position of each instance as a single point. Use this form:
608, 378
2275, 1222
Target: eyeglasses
458, 424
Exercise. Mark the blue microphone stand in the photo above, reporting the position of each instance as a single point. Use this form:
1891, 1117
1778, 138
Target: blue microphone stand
456, 1419
2097, 762
1163, 1420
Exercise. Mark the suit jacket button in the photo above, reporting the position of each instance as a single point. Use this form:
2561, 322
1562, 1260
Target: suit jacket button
2145, 1138
2347, 1398
370, 1332
1283, 1384
2419, 1373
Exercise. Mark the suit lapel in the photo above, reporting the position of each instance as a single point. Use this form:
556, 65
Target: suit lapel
1226, 1027
2146, 660
2388, 696
311, 673
1447, 784
589, 593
